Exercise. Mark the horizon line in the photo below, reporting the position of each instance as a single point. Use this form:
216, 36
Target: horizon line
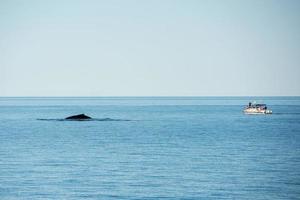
93, 96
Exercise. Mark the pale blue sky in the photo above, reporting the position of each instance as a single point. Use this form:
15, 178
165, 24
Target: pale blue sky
156, 47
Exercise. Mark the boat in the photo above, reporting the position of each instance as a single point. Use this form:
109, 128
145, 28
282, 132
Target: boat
253, 108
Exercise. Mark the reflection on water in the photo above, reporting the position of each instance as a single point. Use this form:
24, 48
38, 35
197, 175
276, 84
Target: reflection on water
93, 119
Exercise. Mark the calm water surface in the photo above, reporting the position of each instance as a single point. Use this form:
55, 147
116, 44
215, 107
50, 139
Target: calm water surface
171, 148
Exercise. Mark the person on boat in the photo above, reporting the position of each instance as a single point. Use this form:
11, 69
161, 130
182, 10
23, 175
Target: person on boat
249, 104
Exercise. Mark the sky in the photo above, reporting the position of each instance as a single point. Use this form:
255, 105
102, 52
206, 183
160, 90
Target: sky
149, 48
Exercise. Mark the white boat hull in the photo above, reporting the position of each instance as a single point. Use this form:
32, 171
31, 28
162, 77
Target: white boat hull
253, 111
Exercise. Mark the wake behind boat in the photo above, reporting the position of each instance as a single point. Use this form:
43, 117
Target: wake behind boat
254, 108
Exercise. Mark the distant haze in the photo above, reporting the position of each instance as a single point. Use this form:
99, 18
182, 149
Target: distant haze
149, 48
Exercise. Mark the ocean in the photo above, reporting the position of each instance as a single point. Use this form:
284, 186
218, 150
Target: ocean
149, 148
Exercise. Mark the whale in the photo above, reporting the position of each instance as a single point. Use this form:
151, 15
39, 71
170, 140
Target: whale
83, 117
78, 117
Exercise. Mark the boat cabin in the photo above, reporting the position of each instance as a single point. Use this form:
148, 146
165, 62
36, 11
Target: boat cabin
254, 105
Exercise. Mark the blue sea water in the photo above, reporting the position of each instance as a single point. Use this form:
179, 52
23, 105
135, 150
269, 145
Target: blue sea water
158, 148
